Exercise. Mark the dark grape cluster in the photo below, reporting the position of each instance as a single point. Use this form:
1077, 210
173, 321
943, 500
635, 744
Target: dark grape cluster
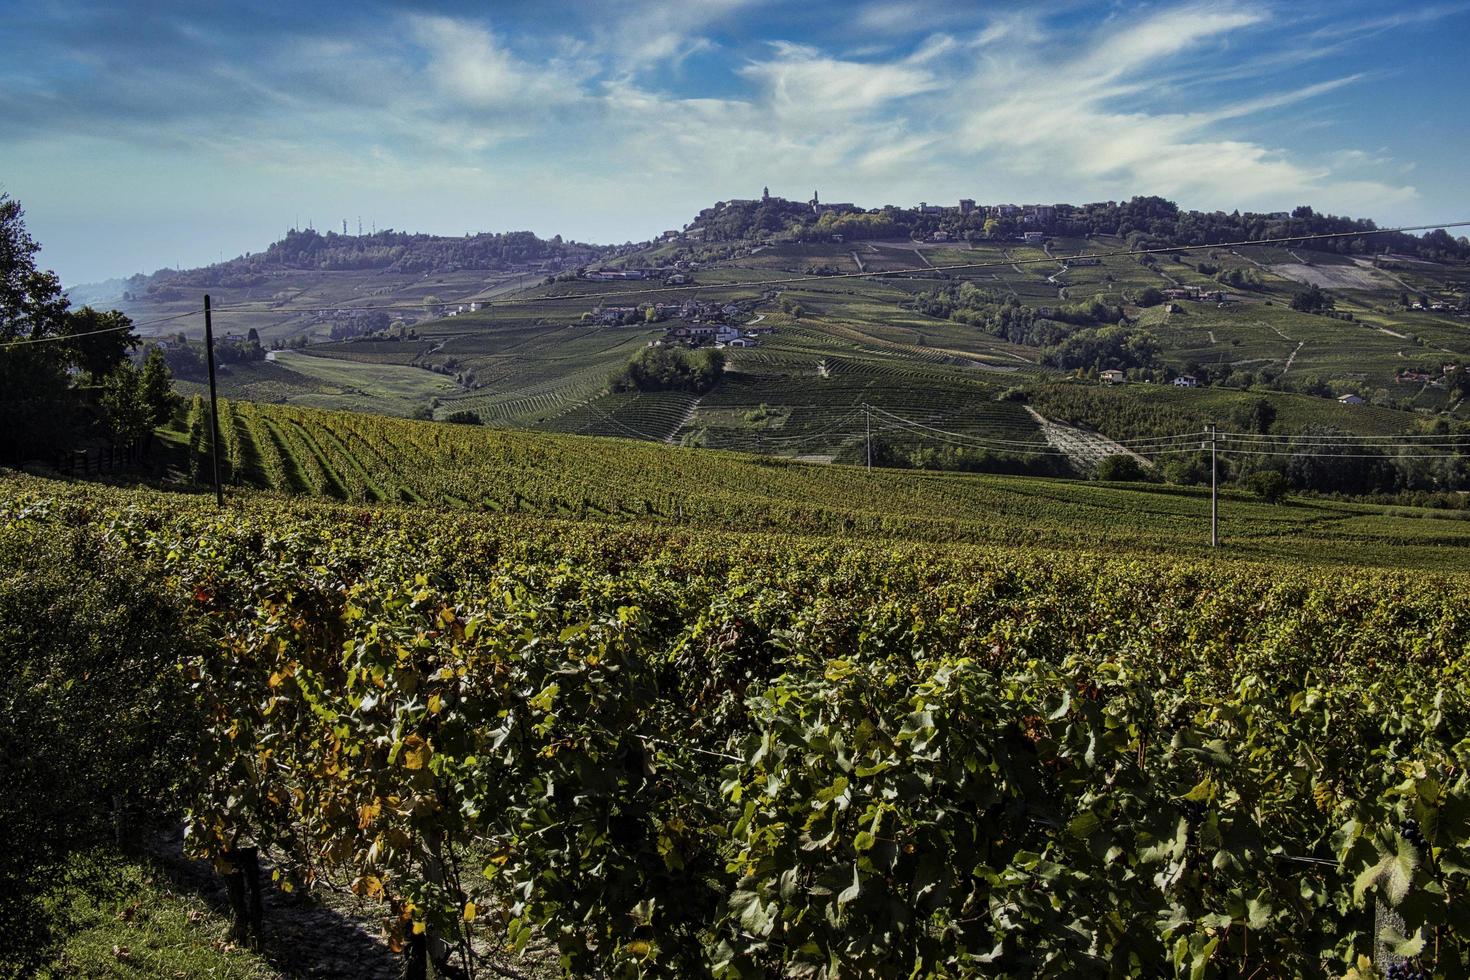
1405, 970
1410, 832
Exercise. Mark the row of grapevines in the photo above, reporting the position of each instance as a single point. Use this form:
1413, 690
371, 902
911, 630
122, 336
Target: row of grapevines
683, 753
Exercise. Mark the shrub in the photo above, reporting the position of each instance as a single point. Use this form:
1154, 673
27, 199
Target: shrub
90, 647
664, 368
1269, 485
1121, 467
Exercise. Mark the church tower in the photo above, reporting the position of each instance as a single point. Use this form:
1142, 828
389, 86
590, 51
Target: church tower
765, 195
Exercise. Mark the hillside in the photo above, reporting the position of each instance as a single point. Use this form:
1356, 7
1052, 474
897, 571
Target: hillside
366, 459
526, 332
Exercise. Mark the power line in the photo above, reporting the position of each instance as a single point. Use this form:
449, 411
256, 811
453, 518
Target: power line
1173, 444
1317, 455
58, 338
1344, 437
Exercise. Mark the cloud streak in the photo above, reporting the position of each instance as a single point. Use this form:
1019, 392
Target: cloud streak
643, 112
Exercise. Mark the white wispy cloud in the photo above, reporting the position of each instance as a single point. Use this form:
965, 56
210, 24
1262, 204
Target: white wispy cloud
470, 64
800, 81
1056, 111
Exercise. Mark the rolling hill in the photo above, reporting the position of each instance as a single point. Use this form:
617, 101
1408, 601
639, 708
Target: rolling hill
957, 321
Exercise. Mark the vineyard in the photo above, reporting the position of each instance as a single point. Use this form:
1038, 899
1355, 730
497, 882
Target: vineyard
374, 459
657, 750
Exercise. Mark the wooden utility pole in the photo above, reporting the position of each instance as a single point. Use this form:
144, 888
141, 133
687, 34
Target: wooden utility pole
219, 492
1214, 495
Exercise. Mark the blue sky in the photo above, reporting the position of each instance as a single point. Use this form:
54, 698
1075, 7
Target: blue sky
146, 134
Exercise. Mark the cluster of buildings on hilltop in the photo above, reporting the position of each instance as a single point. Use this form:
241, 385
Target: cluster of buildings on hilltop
699, 322
694, 310
1432, 306
717, 334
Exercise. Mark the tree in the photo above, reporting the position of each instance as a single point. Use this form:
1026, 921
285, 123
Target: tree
127, 417
1121, 467
33, 384
1312, 301
100, 341
1255, 417
1150, 297
664, 368
156, 387
1269, 485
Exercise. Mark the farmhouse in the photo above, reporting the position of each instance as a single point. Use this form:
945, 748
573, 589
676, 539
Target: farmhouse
743, 342
1034, 237
613, 315
1112, 377
1350, 400
1186, 381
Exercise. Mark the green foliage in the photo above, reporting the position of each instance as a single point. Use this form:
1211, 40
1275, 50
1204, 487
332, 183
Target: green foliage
1270, 485
1256, 416
1312, 300
93, 710
664, 367
1116, 347
464, 417
40, 339
99, 342
34, 389
693, 754
966, 459
155, 388
1121, 467
125, 412
1240, 278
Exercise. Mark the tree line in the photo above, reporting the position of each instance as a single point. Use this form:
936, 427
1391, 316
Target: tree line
66, 375
1143, 221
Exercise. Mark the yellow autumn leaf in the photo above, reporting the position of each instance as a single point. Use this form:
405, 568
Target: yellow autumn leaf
436, 704
469, 911
416, 752
368, 886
